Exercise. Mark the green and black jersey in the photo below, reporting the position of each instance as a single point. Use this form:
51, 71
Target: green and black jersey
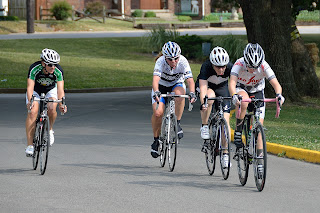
44, 82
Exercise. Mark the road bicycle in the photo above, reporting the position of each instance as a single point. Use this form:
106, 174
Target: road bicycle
41, 139
219, 142
253, 132
168, 139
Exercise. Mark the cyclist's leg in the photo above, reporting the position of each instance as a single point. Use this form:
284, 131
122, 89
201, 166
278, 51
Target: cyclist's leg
156, 120
239, 123
206, 114
179, 89
52, 107
31, 120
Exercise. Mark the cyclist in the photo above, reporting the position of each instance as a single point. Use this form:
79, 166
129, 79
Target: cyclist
45, 76
170, 72
248, 79
212, 82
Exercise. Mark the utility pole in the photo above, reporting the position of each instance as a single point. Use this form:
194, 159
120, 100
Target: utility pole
30, 16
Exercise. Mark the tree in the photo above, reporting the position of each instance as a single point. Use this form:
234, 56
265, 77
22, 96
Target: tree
268, 22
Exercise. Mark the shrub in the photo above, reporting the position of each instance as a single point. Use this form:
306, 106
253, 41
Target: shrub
159, 36
137, 13
9, 18
184, 18
234, 46
191, 46
94, 7
150, 14
211, 17
61, 10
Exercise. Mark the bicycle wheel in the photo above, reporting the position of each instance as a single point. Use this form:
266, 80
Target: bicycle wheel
44, 146
223, 138
172, 138
36, 139
211, 152
242, 158
163, 142
259, 157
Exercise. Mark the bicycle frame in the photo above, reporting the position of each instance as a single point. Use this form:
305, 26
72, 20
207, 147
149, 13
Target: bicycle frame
169, 137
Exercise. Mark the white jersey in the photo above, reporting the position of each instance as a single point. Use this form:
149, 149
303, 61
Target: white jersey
168, 76
252, 82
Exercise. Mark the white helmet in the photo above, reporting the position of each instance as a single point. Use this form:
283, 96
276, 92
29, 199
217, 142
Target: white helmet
171, 50
253, 55
219, 56
50, 56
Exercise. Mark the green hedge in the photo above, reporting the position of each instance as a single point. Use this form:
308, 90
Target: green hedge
9, 18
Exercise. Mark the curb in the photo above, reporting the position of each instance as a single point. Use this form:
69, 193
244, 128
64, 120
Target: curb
290, 152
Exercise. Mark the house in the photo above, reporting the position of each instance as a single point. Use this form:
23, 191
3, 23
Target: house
126, 7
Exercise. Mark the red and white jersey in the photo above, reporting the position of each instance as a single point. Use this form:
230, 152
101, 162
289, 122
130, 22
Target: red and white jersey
169, 76
252, 82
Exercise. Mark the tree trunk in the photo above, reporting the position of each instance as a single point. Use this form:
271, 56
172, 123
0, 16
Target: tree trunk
304, 73
268, 23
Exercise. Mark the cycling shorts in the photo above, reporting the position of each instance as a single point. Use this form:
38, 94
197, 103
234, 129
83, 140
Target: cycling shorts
53, 93
258, 95
165, 90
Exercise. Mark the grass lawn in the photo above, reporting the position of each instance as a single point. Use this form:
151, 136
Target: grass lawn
120, 62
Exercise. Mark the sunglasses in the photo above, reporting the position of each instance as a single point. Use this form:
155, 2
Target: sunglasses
173, 59
50, 65
221, 67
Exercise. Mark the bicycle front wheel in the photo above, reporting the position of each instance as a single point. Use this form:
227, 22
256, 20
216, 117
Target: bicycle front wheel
172, 139
211, 151
163, 142
36, 142
44, 146
242, 156
224, 148
259, 156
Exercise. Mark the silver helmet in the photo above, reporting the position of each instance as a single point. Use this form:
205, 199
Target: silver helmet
50, 56
253, 55
219, 56
171, 50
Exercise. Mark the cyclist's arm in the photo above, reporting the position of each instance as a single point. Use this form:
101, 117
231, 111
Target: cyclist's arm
191, 84
60, 88
276, 85
155, 83
30, 88
232, 84
203, 85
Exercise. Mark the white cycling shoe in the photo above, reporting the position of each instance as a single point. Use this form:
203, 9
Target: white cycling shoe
29, 151
205, 132
51, 133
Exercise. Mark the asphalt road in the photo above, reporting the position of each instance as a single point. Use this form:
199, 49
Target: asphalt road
100, 162
139, 33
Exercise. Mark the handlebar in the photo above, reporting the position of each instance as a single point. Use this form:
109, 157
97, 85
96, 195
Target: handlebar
176, 96
43, 98
250, 100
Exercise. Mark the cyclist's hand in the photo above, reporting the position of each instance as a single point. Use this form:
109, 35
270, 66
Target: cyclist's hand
63, 108
156, 96
236, 99
192, 97
30, 105
282, 99
204, 107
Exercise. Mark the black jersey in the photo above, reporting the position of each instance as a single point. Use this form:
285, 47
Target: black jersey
44, 82
208, 73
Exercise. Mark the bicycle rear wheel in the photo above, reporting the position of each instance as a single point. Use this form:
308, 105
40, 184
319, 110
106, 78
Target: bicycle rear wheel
36, 142
242, 158
223, 137
211, 152
44, 146
259, 157
163, 142
172, 138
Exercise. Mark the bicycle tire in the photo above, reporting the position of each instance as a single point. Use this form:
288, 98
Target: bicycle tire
172, 138
44, 146
211, 153
163, 142
223, 133
259, 173
243, 160
36, 139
